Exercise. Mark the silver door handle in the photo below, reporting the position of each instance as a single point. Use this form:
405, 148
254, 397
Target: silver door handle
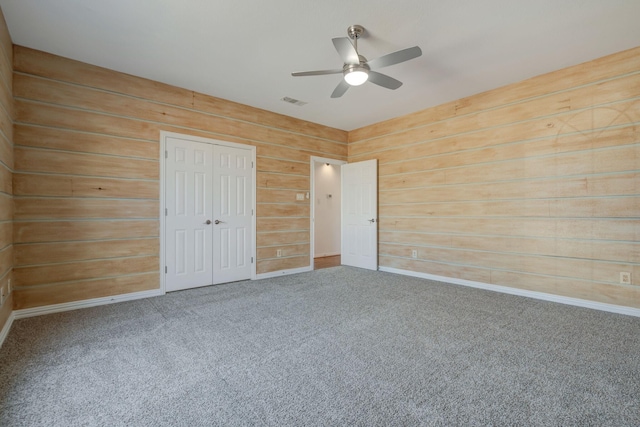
217, 221
208, 222
372, 220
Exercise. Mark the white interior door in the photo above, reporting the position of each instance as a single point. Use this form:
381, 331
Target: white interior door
189, 205
208, 224
232, 214
360, 214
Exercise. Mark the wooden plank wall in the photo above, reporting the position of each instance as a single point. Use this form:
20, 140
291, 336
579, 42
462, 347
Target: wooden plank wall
535, 185
6, 170
86, 182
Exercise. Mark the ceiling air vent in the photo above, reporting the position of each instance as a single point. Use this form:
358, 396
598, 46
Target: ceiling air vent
293, 101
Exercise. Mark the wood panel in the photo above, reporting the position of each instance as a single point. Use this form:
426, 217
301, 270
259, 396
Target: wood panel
86, 99
82, 142
75, 291
53, 67
627, 252
586, 269
282, 238
266, 210
286, 251
65, 231
82, 186
265, 266
5, 179
57, 252
611, 184
282, 181
599, 70
283, 224
535, 185
83, 208
87, 173
66, 272
7, 114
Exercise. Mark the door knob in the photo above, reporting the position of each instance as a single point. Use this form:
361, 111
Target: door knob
372, 220
208, 222
217, 221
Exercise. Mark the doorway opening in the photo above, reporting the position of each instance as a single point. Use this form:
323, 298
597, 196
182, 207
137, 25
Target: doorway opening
325, 250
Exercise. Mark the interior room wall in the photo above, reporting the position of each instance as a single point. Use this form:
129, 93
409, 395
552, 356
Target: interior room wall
534, 185
327, 210
6, 170
86, 177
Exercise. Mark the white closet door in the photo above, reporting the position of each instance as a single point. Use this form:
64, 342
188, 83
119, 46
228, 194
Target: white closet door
233, 192
360, 214
189, 205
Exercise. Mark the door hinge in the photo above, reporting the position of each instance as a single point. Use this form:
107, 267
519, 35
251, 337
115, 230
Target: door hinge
251, 260
166, 270
166, 212
251, 165
166, 154
251, 212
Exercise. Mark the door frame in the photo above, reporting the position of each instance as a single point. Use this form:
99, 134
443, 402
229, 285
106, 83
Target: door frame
163, 143
312, 198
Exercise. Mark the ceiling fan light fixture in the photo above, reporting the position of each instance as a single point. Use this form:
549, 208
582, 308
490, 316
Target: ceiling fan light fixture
356, 75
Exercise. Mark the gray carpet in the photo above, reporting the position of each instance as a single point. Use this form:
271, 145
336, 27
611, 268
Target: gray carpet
339, 346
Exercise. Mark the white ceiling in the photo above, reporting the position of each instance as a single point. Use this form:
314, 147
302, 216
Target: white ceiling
244, 51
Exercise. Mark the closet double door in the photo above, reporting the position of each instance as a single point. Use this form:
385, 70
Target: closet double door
208, 210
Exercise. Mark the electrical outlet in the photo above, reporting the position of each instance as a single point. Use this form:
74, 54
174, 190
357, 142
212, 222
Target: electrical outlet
625, 278
279, 253
299, 196
414, 254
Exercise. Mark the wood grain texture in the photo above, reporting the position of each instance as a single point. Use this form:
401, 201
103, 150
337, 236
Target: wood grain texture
535, 185
51, 273
265, 266
79, 230
87, 179
43, 64
82, 186
57, 252
76, 291
7, 115
81, 142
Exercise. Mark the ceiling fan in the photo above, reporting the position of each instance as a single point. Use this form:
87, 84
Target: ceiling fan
356, 69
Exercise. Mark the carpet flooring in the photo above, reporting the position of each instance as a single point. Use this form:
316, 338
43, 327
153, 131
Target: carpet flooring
333, 347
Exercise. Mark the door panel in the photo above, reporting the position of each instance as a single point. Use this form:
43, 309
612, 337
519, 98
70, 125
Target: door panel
360, 214
232, 214
188, 179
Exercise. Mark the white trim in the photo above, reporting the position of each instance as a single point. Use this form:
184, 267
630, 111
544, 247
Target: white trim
94, 302
312, 197
612, 308
6, 328
284, 272
163, 144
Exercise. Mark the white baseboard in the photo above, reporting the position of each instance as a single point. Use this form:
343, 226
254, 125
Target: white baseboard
620, 309
5, 329
283, 272
57, 308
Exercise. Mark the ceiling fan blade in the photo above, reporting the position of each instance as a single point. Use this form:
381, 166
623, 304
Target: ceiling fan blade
346, 50
340, 89
395, 57
384, 80
316, 73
